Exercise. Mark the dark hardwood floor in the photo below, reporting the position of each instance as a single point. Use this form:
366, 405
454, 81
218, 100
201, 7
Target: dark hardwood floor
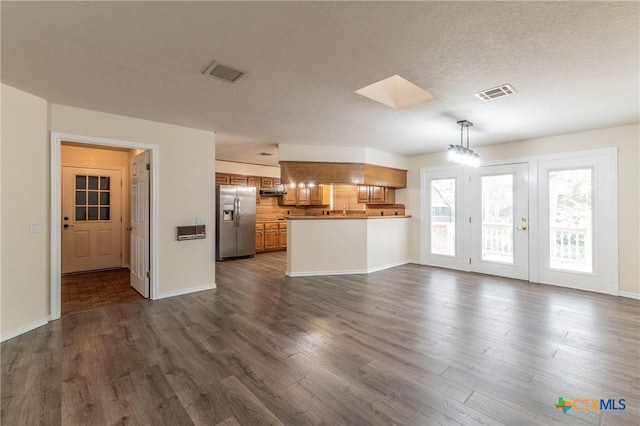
410, 345
90, 290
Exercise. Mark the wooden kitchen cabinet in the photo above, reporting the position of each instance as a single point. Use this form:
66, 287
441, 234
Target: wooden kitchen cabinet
271, 236
282, 235
266, 182
320, 195
254, 182
290, 198
238, 180
303, 196
369, 194
259, 237
271, 231
222, 179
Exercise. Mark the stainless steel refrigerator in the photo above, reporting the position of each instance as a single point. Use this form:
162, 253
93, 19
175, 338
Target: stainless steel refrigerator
235, 221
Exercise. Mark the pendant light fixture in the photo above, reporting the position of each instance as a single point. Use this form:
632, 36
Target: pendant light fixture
461, 154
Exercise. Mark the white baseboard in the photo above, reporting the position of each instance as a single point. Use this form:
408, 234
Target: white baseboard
387, 266
182, 292
629, 295
321, 273
24, 329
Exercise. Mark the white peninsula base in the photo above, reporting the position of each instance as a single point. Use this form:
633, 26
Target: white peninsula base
336, 245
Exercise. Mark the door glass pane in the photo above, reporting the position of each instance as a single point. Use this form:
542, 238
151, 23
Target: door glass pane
104, 182
93, 213
81, 182
81, 214
104, 213
81, 198
104, 198
497, 218
443, 216
571, 220
93, 182
93, 198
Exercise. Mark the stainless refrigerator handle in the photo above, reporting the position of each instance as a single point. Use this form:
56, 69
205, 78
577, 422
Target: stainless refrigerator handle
235, 212
238, 213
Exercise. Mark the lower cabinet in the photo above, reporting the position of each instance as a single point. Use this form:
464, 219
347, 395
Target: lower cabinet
259, 236
282, 235
271, 236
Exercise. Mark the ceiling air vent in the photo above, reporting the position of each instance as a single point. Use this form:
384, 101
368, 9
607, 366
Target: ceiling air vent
496, 92
225, 72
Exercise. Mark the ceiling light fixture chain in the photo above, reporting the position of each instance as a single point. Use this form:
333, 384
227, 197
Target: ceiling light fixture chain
461, 154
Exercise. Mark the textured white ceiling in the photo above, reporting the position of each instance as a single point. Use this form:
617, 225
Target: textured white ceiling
575, 66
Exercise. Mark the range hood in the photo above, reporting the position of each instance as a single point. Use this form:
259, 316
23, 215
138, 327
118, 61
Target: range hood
276, 191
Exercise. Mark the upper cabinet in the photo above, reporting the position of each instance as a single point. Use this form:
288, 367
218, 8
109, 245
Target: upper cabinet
318, 195
222, 179
370, 194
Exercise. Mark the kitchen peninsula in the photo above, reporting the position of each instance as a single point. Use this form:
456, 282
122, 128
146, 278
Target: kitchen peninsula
336, 245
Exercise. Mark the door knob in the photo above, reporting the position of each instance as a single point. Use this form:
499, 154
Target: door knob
66, 225
521, 228
129, 228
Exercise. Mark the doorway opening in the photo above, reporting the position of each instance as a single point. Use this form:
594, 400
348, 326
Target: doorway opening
104, 222
96, 227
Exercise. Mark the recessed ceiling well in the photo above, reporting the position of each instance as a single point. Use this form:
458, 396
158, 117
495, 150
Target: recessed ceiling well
396, 92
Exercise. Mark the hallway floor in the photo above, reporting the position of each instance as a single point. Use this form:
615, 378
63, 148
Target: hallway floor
90, 290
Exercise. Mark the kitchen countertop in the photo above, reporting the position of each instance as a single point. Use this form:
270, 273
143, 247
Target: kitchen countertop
333, 217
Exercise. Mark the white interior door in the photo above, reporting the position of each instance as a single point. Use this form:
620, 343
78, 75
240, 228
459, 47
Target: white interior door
139, 192
499, 220
91, 219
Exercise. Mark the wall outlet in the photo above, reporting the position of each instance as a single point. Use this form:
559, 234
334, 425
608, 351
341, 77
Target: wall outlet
201, 220
35, 227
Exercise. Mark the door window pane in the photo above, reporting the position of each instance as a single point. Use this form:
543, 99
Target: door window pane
93, 182
81, 214
497, 218
81, 198
88, 197
93, 198
105, 213
93, 213
571, 220
443, 216
81, 182
104, 182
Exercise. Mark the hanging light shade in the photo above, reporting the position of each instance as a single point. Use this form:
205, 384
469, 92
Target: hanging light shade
461, 154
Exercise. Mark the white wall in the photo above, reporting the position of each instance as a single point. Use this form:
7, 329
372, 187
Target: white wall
325, 247
232, 167
25, 198
341, 154
186, 190
386, 159
187, 187
626, 138
345, 246
387, 243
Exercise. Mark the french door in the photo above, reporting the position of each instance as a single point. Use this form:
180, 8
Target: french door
479, 220
498, 198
